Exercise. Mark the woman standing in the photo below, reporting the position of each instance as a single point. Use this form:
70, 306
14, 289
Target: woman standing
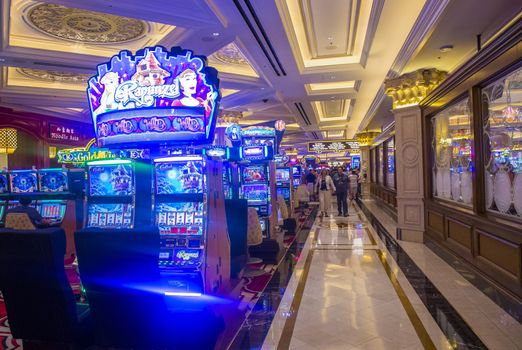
325, 186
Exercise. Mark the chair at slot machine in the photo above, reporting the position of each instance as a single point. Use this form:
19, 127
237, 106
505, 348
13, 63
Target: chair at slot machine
237, 222
254, 238
19, 221
40, 303
288, 224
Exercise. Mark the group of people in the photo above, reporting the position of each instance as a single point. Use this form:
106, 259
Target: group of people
344, 185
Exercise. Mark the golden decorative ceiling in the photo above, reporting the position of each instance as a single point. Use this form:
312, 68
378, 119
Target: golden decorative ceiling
84, 26
54, 76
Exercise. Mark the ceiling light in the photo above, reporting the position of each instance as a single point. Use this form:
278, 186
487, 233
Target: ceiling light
446, 48
215, 34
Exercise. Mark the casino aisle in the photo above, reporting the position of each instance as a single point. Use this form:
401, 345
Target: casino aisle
354, 287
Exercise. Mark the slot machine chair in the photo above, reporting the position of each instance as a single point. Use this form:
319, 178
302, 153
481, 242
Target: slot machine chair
237, 224
121, 278
255, 238
19, 221
40, 303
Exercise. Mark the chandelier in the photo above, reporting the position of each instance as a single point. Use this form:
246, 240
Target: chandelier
8, 140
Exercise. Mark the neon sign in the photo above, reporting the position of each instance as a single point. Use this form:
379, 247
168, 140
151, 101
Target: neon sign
154, 96
80, 156
333, 146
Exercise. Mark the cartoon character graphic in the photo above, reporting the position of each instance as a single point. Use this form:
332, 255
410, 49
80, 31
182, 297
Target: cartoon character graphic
188, 87
120, 180
149, 71
110, 81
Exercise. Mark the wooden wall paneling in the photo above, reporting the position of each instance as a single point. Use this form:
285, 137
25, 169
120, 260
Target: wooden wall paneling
499, 252
460, 233
435, 222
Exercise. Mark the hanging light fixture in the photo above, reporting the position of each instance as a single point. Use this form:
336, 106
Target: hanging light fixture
8, 140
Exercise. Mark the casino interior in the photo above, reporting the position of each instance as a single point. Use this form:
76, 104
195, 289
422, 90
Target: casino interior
260, 174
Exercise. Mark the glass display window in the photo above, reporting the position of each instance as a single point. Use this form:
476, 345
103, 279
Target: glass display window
380, 165
503, 144
390, 163
452, 145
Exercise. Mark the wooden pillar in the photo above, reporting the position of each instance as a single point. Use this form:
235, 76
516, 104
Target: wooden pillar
407, 91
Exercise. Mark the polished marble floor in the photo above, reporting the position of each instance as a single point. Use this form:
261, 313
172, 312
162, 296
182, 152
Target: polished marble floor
352, 290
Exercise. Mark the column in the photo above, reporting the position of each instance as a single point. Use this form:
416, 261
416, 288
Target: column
407, 91
365, 139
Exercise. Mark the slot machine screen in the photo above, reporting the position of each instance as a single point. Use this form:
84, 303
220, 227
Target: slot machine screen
283, 192
282, 175
53, 181
263, 225
52, 210
110, 216
3, 183
15, 203
256, 194
296, 171
254, 174
180, 218
179, 177
23, 181
111, 180
297, 182
2, 212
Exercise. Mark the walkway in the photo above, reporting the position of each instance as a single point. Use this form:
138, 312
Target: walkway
348, 292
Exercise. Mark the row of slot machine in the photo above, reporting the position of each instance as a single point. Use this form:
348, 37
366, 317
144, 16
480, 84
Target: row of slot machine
52, 191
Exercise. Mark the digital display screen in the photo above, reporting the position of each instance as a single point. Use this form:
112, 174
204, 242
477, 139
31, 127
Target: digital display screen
23, 181
256, 194
254, 174
179, 177
181, 218
118, 216
263, 225
283, 192
297, 182
52, 210
53, 181
282, 175
3, 183
111, 180
296, 171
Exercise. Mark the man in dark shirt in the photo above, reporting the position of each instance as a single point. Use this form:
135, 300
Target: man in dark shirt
31, 212
310, 183
341, 190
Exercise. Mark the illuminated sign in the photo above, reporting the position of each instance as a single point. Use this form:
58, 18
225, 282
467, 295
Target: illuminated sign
281, 158
255, 153
154, 96
79, 156
333, 146
258, 131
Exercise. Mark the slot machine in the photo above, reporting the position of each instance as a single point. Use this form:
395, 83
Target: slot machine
189, 212
296, 175
22, 183
4, 190
53, 182
284, 184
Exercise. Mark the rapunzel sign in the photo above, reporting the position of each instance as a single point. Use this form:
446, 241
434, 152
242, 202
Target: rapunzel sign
155, 96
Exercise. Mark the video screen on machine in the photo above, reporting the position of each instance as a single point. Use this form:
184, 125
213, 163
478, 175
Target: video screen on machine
282, 175
283, 192
296, 171
23, 181
111, 180
52, 209
180, 218
179, 177
297, 182
254, 174
110, 216
53, 181
3, 183
263, 225
187, 257
256, 194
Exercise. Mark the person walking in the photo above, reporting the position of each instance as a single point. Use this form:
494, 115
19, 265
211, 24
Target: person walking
310, 183
341, 190
324, 186
353, 190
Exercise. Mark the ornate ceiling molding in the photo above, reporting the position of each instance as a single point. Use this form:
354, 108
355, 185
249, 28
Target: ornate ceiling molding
54, 76
230, 59
84, 26
409, 89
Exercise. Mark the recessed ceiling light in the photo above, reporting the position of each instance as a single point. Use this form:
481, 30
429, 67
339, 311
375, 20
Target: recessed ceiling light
446, 48
215, 34
330, 38
332, 97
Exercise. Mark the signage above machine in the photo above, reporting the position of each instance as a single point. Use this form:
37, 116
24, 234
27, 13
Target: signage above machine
79, 156
333, 146
155, 96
